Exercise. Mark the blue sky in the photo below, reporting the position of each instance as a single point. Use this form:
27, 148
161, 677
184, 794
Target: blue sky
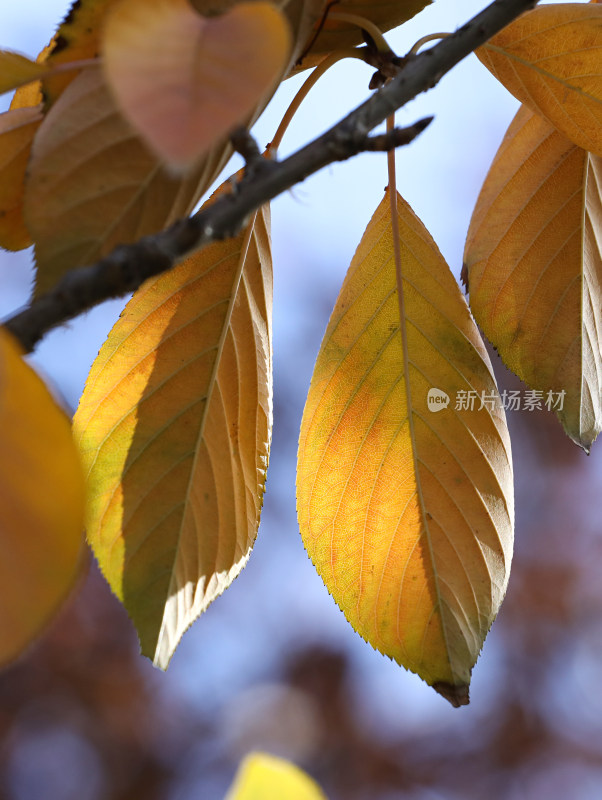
316, 228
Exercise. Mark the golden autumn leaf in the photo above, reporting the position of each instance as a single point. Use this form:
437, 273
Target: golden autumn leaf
92, 184
551, 60
17, 70
404, 487
41, 503
184, 80
336, 34
17, 129
534, 263
174, 427
262, 776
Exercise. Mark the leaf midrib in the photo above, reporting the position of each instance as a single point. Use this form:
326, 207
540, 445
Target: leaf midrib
209, 394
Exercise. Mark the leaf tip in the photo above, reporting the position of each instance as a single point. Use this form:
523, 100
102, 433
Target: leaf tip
457, 695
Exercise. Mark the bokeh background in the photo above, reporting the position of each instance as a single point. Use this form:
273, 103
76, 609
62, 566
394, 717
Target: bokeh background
273, 665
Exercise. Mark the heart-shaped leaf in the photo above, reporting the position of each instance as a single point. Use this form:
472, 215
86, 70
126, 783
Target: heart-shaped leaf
184, 80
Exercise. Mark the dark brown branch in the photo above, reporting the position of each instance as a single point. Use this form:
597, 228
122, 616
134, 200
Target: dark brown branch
127, 267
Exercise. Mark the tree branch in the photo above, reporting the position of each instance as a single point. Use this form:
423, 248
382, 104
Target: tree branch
128, 266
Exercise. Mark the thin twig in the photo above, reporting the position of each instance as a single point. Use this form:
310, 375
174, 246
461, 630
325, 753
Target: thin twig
127, 267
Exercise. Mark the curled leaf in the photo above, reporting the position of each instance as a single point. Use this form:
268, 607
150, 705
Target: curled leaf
404, 484
534, 261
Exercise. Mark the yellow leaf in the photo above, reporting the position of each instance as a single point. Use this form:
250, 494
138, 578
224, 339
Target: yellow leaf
174, 426
336, 35
183, 80
17, 70
41, 503
551, 60
405, 504
77, 38
534, 261
92, 184
262, 776
17, 129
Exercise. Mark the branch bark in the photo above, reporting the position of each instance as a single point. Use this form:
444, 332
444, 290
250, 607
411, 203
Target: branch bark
127, 267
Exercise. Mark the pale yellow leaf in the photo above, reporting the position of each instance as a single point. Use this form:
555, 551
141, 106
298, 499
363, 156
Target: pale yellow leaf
184, 80
174, 428
92, 184
41, 503
534, 263
551, 59
406, 505
262, 776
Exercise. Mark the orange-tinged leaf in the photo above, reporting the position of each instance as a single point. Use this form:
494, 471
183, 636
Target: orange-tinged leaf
551, 59
78, 37
92, 184
534, 262
41, 503
336, 35
406, 512
28, 96
184, 80
17, 129
174, 426
17, 70
262, 776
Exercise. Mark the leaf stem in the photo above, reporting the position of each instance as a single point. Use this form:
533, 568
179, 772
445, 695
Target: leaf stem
311, 81
128, 266
431, 36
365, 24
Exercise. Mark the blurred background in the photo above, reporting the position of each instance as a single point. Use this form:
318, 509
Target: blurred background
273, 665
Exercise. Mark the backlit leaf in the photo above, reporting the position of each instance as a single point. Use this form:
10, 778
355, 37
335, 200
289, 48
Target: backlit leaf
184, 80
92, 184
174, 426
41, 503
534, 261
551, 59
17, 70
336, 34
262, 776
17, 129
406, 505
